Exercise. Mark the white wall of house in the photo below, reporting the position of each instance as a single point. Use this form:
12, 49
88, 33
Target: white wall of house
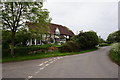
35, 41
57, 31
46, 37
31, 42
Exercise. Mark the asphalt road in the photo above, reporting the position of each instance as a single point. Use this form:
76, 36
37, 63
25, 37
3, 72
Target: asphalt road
94, 64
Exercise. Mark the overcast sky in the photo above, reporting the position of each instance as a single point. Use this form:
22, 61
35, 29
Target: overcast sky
77, 15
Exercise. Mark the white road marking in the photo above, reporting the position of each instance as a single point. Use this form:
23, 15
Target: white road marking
41, 64
30, 77
51, 61
42, 68
46, 64
37, 72
46, 61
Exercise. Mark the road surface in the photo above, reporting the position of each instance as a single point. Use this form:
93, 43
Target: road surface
94, 64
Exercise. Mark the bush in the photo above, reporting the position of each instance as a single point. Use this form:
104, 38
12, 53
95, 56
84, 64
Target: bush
19, 51
70, 46
52, 49
83, 41
87, 40
115, 52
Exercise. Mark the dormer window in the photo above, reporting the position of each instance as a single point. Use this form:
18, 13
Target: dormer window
57, 31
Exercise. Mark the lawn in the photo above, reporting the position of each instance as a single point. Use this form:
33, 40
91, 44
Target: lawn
42, 55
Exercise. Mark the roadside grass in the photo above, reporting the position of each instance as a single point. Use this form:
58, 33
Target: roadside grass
115, 53
42, 55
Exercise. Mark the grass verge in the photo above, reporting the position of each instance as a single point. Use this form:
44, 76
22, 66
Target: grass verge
42, 55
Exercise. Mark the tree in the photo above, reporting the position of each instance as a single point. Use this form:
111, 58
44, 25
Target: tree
82, 41
114, 37
6, 39
15, 15
87, 40
23, 36
101, 40
41, 26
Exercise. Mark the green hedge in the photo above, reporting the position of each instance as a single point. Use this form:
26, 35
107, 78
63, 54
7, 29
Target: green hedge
19, 51
115, 53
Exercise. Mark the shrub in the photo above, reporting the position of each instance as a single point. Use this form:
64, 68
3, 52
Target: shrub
87, 40
115, 52
70, 46
19, 51
83, 41
52, 49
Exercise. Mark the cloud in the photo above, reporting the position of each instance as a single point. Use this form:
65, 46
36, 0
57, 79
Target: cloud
101, 17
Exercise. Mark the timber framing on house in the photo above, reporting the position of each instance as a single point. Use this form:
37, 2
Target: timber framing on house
57, 34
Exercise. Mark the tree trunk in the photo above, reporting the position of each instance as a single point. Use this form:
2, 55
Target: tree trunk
13, 44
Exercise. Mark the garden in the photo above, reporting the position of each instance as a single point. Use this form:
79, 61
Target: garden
73, 46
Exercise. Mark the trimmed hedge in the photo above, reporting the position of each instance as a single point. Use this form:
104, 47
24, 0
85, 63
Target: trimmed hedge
19, 51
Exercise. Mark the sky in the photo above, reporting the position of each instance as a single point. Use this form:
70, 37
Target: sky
100, 16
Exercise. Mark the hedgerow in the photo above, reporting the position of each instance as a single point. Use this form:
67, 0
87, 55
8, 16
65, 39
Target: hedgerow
115, 53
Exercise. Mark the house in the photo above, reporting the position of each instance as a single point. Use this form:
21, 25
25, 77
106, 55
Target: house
57, 34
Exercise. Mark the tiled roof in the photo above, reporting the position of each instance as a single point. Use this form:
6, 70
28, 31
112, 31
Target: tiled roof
63, 30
